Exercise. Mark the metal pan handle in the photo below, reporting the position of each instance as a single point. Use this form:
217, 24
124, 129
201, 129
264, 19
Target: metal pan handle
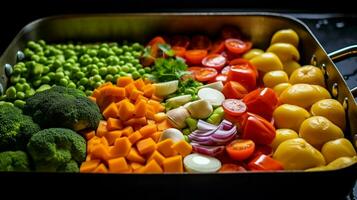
343, 54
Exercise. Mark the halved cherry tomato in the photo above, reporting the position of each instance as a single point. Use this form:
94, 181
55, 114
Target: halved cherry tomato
194, 57
179, 51
157, 40
216, 61
206, 74
234, 107
234, 90
225, 70
240, 149
263, 162
237, 46
245, 62
262, 102
230, 167
194, 70
217, 47
257, 129
230, 32
180, 40
221, 77
244, 75
200, 42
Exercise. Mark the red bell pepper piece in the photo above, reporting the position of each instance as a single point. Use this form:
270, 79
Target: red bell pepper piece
263, 162
257, 129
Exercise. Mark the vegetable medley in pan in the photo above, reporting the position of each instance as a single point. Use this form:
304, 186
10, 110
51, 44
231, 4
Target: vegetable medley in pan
180, 103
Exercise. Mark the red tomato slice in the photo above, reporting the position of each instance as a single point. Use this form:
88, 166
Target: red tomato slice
200, 42
230, 32
216, 61
240, 149
225, 70
234, 90
179, 51
180, 41
217, 47
206, 74
263, 162
194, 57
234, 107
237, 46
221, 77
194, 70
244, 62
230, 167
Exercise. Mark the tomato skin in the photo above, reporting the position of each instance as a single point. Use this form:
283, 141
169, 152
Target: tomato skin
234, 90
234, 107
257, 129
217, 47
200, 42
264, 162
230, 167
194, 57
237, 46
216, 61
194, 70
243, 75
179, 51
240, 149
262, 102
157, 40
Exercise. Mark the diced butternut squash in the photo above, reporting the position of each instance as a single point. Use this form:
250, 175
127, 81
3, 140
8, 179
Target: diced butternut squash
182, 147
114, 124
118, 165
156, 98
101, 169
134, 95
134, 156
148, 130
111, 111
173, 164
151, 167
101, 152
149, 90
134, 137
165, 124
164, 147
140, 108
111, 136
156, 106
136, 166
121, 147
140, 84
88, 157
158, 157
89, 135
151, 121
102, 128
127, 131
124, 81
113, 91
156, 136
126, 110
141, 121
159, 117
89, 166
93, 99
104, 141
146, 146
129, 89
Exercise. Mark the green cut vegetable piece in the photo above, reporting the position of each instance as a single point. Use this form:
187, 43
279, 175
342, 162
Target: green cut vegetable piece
192, 123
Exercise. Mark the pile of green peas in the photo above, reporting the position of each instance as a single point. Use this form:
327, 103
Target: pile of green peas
81, 66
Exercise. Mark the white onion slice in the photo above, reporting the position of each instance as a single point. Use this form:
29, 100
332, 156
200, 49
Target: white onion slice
214, 97
198, 163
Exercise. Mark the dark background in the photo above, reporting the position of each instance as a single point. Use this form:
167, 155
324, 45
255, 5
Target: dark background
333, 22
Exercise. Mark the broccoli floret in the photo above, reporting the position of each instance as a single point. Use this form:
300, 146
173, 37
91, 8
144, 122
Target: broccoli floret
14, 161
15, 128
57, 150
63, 107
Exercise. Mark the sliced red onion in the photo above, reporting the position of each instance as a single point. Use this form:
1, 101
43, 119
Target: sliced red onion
223, 141
226, 125
207, 150
222, 134
202, 125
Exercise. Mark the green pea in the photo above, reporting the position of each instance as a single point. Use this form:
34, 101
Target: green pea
125, 68
35, 58
125, 47
60, 69
20, 95
29, 93
116, 76
26, 86
42, 60
147, 69
97, 84
51, 75
11, 92
97, 78
141, 71
83, 81
37, 83
112, 70
59, 75
63, 82
19, 103
109, 78
45, 70
123, 74
135, 62
80, 75
119, 51
14, 79
135, 75
88, 93
75, 69
43, 88
22, 80
94, 72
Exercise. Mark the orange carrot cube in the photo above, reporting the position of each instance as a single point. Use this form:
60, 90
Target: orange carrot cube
173, 164
182, 147
146, 146
164, 147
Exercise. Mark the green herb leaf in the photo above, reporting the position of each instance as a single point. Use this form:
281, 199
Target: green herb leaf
166, 49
